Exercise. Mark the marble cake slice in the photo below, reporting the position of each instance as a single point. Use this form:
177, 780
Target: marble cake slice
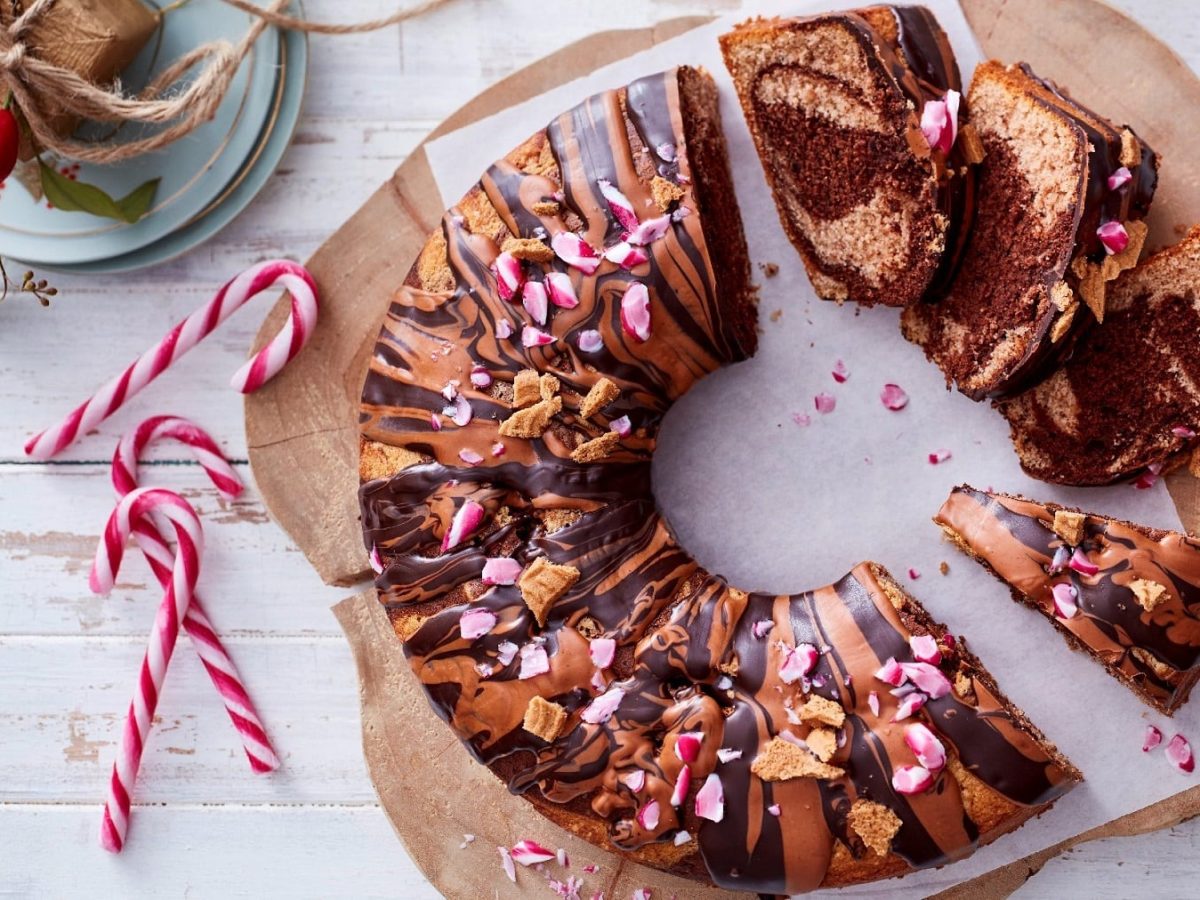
1126, 594
1128, 399
1062, 193
835, 105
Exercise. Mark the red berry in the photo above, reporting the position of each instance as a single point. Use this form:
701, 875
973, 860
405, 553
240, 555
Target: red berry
10, 142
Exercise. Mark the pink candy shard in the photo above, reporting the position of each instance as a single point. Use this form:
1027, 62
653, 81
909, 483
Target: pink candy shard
648, 816
912, 780
534, 661
797, 662
1081, 564
536, 301
460, 412
893, 397
873, 702
926, 677
682, 784
1179, 752
475, 623
601, 709
890, 672
687, 745
681, 838
914, 574
530, 853
504, 329
470, 457
728, 754
450, 391
774, 810
622, 209
435, 423
825, 403
465, 523
501, 570
497, 449
601, 651
621, 426
802, 419
506, 652
840, 372
939, 122
925, 649
1113, 236
710, 800
666, 151
376, 562
635, 311
481, 377
1059, 561
762, 628
1064, 600
590, 340
509, 277
575, 251
939, 456
635, 780
1152, 739
561, 290
909, 704
1119, 179
930, 752
639, 894
533, 337
1182, 431
649, 231
507, 862
626, 255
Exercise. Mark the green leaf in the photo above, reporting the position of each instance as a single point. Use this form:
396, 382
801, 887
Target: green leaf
77, 196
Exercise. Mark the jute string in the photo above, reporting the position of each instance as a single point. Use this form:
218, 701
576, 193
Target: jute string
181, 109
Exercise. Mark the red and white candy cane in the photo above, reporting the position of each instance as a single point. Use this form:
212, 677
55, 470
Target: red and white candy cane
159, 555
185, 568
187, 334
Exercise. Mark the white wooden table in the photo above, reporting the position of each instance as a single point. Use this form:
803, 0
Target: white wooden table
204, 825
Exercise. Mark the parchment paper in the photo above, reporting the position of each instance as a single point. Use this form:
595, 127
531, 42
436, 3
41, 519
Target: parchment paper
779, 506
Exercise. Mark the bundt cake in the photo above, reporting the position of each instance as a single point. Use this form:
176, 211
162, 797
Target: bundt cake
1061, 194
856, 118
763, 743
1126, 594
1128, 399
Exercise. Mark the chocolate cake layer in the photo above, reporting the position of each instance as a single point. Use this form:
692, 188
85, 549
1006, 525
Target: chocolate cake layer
834, 103
1126, 594
1128, 399
553, 621
1035, 270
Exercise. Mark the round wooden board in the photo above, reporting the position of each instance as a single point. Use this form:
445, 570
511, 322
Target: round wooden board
302, 433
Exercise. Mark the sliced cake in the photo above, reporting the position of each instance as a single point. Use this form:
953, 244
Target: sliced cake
1128, 399
1126, 594
1061, 194
856, 119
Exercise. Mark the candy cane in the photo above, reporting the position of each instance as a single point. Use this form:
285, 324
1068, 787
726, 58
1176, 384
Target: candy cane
158, 554
187, 334
185, 568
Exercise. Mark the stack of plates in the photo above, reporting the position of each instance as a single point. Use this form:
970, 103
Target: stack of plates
207, 177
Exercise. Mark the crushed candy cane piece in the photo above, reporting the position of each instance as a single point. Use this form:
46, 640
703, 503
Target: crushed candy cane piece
774, 810
913, 573
825, 403
601, 708
939, 456
561, 855
498, 449
687, 745
475, 623
939, 121
621, 426
509, 277
802, 419
530, 853
873, 702
893, 397
375, 560
575, 251
728, 754
561, 290
465, 523
681, 838
504, 329
927, 678
840, 372
1152, 739
506, 652
930, 752
1179, 752
642, 894
682, 784
481, 377
666, 151
506, 862
434, 422
912, 780
535, 337
797, 662
622, 209
501, 570
460, 413
467, 839
909, 704
590, 340
925, 649
635, 311
1064, 600
890, 672
649, 231
470, 457
1113, 236
536, 301
534, 661
1081, 564
601, 651
626, 255
762, 628
1182, 431
1059, 561
648, 816
1119, 179
635, 780
710, 800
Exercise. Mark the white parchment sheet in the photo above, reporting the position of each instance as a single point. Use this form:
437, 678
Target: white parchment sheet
782, 507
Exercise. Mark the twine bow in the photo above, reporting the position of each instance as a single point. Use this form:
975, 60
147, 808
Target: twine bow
166, 101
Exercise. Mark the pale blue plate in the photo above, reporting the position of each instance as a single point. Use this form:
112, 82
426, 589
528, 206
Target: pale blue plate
273, 142
194, 170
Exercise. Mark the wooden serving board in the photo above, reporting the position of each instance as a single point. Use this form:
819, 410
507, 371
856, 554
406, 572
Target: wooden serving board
303, 443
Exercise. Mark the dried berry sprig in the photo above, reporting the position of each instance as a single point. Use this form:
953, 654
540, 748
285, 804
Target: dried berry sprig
29, 284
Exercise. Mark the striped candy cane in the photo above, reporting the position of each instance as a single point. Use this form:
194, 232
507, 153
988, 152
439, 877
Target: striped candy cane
187, 334
185, 568
153, 543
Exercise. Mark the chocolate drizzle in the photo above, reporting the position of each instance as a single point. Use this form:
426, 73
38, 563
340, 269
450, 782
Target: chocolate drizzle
1156, 652
689, 658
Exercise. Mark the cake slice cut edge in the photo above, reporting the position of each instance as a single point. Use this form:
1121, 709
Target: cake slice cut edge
1116, 590
1035, 273
834, 104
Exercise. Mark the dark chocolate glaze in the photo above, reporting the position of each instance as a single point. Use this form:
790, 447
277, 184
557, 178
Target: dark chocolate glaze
1157, 652
688, 658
